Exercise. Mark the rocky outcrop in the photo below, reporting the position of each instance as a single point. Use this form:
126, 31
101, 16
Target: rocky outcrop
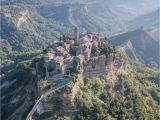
138, 45
22, 20
12, 22
89, 55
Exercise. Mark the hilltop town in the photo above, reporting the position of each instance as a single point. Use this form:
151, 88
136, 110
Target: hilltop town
87, 54
104, 69
84, 56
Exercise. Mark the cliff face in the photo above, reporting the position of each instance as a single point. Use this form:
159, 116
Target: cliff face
138, 45
69, 63
86, 73
13, 20
93, 57
106, 67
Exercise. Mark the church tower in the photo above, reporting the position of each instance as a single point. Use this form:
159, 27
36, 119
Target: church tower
76, 35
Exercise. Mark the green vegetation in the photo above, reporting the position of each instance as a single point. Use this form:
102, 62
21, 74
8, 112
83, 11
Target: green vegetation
134, 96
64, 37
36, 33
73, 52
43, 116
103, 50
128, 99
25, 74
132, 43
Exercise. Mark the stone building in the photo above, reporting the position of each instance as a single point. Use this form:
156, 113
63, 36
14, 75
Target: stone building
76, 35
75, 54
80, 63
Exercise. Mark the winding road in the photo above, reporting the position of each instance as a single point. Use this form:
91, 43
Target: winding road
44, 96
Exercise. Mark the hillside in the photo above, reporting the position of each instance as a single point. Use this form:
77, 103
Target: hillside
33, 24
23, 30
127, 99
139, 45
57, 63
148, 20
118, 93
42, 75
19, 89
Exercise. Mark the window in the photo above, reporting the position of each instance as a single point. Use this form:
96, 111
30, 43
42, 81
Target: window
93, 66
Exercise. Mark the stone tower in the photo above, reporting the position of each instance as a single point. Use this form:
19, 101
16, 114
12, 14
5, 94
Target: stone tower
76, 35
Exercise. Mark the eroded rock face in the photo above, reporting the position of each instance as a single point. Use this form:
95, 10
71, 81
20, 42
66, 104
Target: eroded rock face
14, 20
104, 61
22, 20
75, 89
106, 67
7, 25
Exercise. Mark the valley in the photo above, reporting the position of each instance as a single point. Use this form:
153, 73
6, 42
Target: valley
79, 60
47, 20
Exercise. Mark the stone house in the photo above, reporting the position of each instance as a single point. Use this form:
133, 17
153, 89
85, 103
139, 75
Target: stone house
80, 63
76, 54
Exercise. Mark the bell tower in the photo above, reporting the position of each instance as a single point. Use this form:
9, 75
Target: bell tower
76, 35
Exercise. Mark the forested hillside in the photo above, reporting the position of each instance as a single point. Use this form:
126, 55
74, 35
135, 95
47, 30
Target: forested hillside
133, 96
138, 45
79, 60
33, 24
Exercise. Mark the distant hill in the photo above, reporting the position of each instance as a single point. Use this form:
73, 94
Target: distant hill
139, 45
23, 29
105, 16
45, 20
30, 25
76, 15
147, 20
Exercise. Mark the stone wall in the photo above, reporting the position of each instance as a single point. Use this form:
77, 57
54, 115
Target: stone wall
108, 67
